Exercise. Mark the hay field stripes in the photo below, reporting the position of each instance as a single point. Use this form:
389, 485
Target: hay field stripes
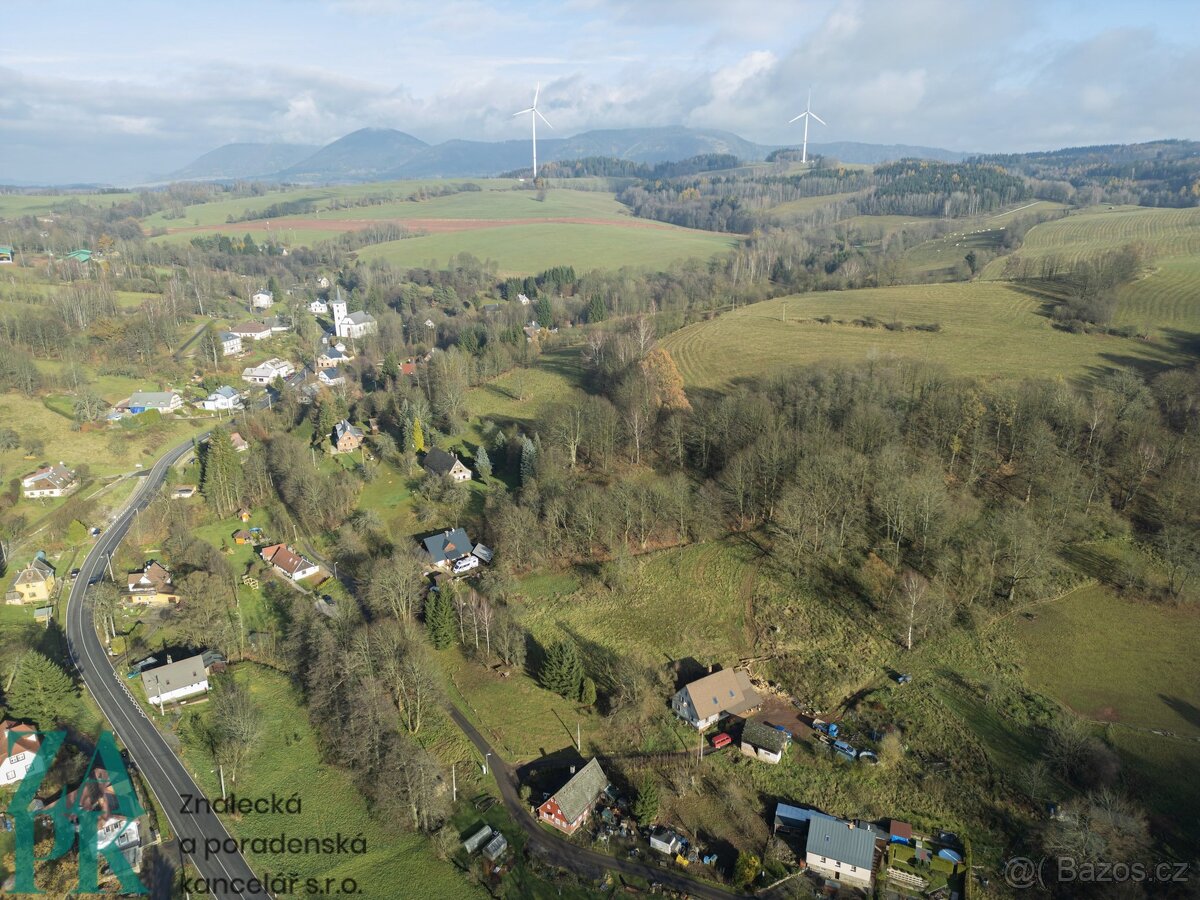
978, 320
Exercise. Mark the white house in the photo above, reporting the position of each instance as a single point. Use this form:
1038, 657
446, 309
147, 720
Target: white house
49, 481
331, 377
262, 299
723, 693
318, 307
251, 331
522, 299
267, 372
176, 680
223, 398
288, 562
840, 850
144, 401
230, 343
17, 761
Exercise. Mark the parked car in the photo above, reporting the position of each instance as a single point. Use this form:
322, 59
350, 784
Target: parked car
721, 739
466, 564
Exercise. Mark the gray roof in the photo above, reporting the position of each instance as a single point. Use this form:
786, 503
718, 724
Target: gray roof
333, 353
439, 461
836, 839
230, 336
343, 428
767, 737
151, 398
581, 791
788, 816
227, 392
448, 546
359, 318
174, 675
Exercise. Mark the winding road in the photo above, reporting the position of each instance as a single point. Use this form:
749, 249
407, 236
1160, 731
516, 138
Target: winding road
227, 875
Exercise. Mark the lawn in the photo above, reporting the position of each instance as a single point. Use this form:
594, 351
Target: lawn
1162, 773
286, 762
975, 319
521, 394
1117, 660
534, 247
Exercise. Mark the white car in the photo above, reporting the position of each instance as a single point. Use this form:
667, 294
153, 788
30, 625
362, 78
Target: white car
466, 564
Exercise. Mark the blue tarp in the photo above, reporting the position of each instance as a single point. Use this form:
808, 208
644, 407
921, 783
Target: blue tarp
950, 855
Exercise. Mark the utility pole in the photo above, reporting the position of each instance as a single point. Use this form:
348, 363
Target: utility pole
454, 782
578, 742
221, 769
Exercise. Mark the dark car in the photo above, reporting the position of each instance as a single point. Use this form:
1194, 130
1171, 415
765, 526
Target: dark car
74, 574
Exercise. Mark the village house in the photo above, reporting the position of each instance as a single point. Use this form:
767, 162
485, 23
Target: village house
250, 331
346, 437
33, 584
176, 680
764, 742
262, 299
24, 744
705, 701
331, 377
230, 343
267, 372
318, 307
840, 850
571, 804
446, 465
144, 401
240, 444
97, 794
447, 548
287, 562
332, 357
152, 586
665, 841
49, 481
223, 398
278, 324
353, 325
243, 537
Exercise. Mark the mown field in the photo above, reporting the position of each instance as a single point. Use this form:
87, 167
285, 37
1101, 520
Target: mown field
1113, 659
1168, 296
987, 329
285, 761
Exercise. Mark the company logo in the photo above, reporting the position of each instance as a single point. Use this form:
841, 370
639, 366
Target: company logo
103, 800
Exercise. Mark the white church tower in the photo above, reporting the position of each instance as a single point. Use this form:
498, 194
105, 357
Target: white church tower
337, 310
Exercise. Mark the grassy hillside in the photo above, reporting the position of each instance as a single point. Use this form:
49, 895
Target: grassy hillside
1168, 296
987, 329
524, 249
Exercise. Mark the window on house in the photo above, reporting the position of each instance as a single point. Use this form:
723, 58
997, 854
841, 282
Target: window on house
823, 859
836, 864
854, 868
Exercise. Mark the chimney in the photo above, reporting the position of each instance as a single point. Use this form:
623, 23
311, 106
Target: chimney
169, 660
850, 825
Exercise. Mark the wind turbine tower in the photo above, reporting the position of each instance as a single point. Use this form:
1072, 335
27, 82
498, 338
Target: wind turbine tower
534, 115
806, 115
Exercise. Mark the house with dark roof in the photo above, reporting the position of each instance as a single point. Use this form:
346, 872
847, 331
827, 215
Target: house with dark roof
708, 699
288, 562
99, 794
230, 343
346, 437
49, 481
33, 584
764, 742
571, 804
143, 401
840, 850
250, 331
152, 585
447, 548
446, 465
175, 680
332, 357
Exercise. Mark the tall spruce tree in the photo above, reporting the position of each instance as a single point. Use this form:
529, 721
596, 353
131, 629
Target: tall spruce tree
41, 691
483, 463
439, 618
645, 807
562, 671
221, 473
529, 455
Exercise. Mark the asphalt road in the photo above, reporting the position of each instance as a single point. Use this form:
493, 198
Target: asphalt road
227, 874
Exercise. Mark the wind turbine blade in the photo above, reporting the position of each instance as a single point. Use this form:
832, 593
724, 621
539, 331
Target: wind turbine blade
790, 121
818, 118
522, 112
537, 90
538, 113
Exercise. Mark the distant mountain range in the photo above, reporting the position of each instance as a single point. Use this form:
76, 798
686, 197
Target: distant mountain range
378, 154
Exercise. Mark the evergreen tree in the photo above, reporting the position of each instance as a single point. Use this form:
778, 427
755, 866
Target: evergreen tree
562, 672
439, 618
483, 463
587, 692
418, 436
41, 691
596, 311
645, 807
529, 459
221, 473
391, 367
326, 416
542, 312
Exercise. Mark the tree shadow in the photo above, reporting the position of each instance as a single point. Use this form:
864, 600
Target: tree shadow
1186, 710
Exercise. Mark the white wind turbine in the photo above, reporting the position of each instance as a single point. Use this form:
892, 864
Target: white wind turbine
806, 115
534, 115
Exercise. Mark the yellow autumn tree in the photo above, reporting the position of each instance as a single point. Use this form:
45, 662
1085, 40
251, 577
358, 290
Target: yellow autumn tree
664, 381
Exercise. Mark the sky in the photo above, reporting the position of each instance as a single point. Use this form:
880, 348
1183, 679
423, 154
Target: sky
132, 89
